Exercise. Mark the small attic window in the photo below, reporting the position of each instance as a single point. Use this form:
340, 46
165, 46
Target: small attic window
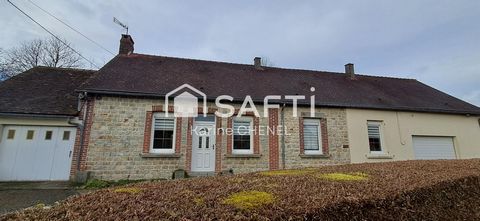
30, 134
66, 135
48, 135
11, 134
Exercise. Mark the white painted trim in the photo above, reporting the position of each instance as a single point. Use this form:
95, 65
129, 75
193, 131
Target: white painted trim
249, 151
382, 140
152, 131
315, 122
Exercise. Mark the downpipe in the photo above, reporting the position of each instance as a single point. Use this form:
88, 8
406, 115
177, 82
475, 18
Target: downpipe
282, 118
81, 124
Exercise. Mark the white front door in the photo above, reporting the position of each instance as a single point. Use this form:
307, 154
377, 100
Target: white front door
203, 147
34, 153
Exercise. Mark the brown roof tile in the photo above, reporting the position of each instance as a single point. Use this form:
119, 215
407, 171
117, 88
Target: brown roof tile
148, 75
42, 90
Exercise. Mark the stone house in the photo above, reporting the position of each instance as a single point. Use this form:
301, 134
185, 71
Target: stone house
274, 118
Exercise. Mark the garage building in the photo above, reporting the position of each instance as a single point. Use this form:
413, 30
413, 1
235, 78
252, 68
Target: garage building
38, 124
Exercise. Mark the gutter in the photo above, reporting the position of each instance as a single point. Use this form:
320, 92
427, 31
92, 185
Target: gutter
300, 104
7, 114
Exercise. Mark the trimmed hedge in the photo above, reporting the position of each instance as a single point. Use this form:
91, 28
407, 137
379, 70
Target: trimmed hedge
431, 190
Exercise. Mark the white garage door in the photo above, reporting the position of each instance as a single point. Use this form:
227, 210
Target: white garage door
433, 148
34, 153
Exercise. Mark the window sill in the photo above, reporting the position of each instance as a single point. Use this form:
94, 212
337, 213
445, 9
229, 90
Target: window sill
160, 155
243, 155
319, 156
379, 156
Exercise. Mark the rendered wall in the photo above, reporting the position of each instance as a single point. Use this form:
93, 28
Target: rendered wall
399, 127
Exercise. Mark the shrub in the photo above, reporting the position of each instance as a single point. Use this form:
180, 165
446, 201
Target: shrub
132, 190
404, 190
237, 180
40, 205
344, 176
199, 201
288, 172
247, 200
96, 184
125, 182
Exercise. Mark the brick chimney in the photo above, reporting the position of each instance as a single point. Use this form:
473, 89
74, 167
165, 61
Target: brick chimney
257, 62
349, 70
126, 45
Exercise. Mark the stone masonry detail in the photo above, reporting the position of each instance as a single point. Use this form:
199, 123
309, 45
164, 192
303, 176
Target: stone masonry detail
116, 142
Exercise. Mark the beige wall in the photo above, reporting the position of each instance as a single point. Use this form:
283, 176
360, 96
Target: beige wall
399, 127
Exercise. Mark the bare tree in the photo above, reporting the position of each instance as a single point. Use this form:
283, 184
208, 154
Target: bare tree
49, 52
3, 67
57, 54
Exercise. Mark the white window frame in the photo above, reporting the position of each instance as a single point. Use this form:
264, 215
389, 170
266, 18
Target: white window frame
152, 132
249, 151
314, 122
380, 131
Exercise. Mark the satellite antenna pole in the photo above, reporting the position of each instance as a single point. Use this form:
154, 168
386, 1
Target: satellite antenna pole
121, 24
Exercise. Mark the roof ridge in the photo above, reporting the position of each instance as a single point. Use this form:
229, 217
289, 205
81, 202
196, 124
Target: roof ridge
62, 68
390, 77
251, 65
190, 59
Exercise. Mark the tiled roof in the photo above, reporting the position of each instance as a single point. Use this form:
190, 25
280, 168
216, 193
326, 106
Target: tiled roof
147, 75
43, 90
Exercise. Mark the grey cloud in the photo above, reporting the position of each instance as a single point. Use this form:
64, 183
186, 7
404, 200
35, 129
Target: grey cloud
435, 42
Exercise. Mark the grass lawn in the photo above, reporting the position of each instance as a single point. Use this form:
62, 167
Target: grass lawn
447, 190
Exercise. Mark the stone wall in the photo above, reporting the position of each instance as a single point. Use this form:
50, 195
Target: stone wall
338, 151
116, 142
117, 137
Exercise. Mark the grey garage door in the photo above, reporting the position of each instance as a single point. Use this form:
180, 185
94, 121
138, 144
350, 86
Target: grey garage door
34, 153
433, 148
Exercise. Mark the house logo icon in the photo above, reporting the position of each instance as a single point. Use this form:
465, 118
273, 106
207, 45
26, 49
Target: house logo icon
186, 104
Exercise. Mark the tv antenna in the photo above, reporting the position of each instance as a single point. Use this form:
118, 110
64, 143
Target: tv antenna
121, 24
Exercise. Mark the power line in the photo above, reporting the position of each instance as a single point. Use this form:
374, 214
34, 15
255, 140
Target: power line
91, 62
75, 30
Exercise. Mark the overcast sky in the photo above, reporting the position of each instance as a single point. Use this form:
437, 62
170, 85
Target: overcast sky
436, 42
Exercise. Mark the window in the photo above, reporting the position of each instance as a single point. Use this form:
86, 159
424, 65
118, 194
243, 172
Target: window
48, 135
66, 135
163, 134
375, 136
11, 134
312, 138
242, 135
30, 134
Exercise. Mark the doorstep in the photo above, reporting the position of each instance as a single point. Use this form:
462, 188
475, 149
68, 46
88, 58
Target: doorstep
201, 174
